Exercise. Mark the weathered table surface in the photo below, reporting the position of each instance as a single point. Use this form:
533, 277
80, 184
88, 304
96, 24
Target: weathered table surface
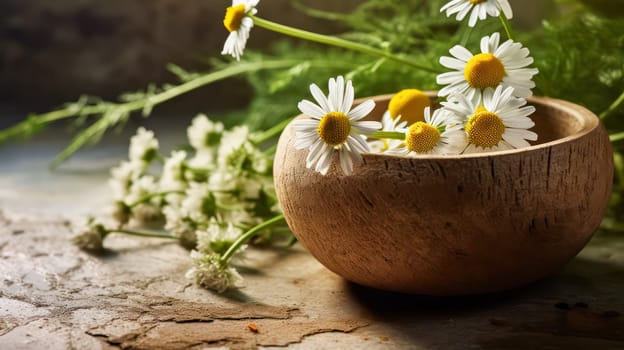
54, 296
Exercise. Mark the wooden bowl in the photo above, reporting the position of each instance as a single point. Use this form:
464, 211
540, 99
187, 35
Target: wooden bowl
454, 225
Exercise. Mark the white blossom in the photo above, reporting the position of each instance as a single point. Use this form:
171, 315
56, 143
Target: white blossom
90, 236
209, 272
143, 146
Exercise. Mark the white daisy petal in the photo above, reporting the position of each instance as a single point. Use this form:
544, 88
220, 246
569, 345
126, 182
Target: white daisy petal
305, 141
320, 98
361, 110
359, 143
315, 153
345, 161
504, 5
366, 127
322, 166
310, 109
452, 63
349, 96
478, 10
461, 53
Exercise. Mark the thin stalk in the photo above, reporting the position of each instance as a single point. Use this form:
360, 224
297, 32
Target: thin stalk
271, 150
293, 240
617, 137
394, 135
247, 236
613, 107
334, 41
273, 131
505, 22
126, 108
141, 233
506, 25
466, 36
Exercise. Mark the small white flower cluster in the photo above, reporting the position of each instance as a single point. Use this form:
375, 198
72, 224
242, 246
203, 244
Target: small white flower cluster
91, 236
209, 272
206, 197
130, 183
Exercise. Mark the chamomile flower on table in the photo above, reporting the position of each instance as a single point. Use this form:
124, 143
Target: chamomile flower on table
239, 24
478, 9
505, 64
334, 127
499, 122
439, 133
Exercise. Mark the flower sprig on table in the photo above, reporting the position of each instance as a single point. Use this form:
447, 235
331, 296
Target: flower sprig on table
213, 199
216, 212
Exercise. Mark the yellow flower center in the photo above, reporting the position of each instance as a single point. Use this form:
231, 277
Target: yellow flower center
410, 105
484, 128
474, 2
421, 137
233, 17
334, 128
484, 70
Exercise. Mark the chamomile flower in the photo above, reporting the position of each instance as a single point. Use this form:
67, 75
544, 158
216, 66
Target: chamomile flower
480, 9
408, 105
439, 133
499, 122
405, 108
334, 127
504, 64
239, 24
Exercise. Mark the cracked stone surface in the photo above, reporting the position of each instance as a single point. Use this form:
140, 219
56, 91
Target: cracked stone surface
135, 295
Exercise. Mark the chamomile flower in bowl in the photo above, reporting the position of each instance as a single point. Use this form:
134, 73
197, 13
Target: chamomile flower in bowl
430, 219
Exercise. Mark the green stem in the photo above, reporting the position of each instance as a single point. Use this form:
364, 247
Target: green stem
394, 135
466, 35
334, 41
248, 235
271, 150
268, 134
293, 240
617, 137
505, 22
141, 233
613, 107
114, 113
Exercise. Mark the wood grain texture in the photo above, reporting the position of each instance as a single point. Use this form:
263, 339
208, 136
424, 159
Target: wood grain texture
454, 225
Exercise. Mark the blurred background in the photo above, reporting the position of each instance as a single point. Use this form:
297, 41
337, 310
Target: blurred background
54, 51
